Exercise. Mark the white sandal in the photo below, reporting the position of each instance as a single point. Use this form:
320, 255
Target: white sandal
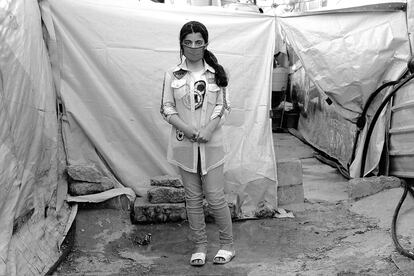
198, 256
225, 254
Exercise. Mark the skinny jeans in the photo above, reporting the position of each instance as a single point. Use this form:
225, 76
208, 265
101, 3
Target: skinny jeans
211, 186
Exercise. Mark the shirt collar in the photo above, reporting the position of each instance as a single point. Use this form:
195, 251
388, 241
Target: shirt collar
183, 66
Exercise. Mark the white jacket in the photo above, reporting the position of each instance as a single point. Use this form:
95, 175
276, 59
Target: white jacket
178, 98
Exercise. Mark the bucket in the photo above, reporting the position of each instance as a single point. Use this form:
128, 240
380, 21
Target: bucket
292, 119
277, 124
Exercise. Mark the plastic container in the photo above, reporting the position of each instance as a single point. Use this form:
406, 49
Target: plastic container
292, 119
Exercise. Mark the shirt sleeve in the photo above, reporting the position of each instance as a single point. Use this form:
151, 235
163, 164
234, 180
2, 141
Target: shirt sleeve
167, 99
222, 108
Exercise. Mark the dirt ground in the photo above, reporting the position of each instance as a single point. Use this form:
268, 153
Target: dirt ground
329, 235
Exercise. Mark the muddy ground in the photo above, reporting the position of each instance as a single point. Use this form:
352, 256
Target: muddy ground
329, 235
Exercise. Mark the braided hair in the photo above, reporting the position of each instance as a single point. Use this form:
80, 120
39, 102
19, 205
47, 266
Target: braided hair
209, 57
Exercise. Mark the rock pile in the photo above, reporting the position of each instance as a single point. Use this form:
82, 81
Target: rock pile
165, 202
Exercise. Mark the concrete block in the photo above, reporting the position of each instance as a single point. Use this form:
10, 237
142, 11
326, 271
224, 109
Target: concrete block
166, 195
84, 173
167, 181
290, 194
362, 187
146, 212
87, 188
289, 172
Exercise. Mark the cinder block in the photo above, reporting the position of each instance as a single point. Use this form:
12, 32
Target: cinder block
290, 194
88, 188
167, 181
361, 187
146, 212
84, 173
166, 195
289, 172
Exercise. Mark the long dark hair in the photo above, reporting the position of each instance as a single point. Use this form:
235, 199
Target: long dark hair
209, 57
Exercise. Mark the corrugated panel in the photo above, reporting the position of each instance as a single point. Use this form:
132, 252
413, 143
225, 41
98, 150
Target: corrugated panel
402, 133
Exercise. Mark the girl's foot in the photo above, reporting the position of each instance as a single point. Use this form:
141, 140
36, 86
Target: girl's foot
198, 258
224, 255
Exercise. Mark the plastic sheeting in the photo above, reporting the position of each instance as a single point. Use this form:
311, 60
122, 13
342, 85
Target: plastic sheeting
346, 60
34, 220
109, 62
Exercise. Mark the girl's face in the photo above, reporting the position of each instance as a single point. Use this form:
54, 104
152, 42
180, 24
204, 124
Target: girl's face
193, 47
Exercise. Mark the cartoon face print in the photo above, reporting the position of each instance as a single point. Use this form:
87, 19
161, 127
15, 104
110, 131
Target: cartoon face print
199, 91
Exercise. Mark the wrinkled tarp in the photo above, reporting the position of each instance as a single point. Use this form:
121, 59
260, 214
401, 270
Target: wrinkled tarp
347, 60
34, 219
111, 57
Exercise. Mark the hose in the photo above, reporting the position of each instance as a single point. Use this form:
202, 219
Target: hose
400, 249
360, 123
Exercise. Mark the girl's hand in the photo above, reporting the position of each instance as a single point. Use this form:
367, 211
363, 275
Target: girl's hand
191, 133
205, 135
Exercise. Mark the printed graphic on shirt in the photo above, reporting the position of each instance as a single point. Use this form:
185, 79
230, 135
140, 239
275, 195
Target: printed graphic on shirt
179, 135
199, 92
179, 74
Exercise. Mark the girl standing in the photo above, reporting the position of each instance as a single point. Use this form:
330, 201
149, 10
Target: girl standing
194, 102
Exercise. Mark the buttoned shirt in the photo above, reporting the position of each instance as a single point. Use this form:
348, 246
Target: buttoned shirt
195, 108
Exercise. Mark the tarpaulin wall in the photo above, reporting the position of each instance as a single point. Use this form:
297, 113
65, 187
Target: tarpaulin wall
33, 216
345, 61
110, 58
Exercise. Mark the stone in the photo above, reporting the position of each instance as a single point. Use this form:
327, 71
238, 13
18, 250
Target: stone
362, 187
289, 172
166, 195
290, 194
167, 181
84, 173
145, 212
87, 188
264, 210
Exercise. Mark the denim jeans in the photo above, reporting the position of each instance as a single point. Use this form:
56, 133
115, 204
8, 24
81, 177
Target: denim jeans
211, 186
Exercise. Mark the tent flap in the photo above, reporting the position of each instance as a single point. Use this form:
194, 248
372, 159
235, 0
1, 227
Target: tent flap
32, 224
112, 56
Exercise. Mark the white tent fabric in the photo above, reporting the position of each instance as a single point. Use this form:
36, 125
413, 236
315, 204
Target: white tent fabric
335, 4
410, 23
110, 61
349, 58
33, 215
